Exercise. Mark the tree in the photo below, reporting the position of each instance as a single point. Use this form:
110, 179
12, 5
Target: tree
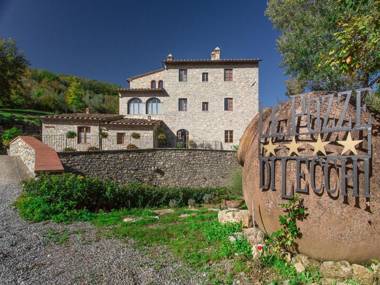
74, 96
13, 65
356, 50
331, 44
294, 86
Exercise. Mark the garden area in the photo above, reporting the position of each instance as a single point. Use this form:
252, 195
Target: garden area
184, 221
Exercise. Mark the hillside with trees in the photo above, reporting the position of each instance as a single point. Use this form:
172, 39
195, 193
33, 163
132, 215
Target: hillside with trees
22, 87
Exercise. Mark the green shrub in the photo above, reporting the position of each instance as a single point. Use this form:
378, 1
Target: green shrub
162, 139
284, 240
136, 136
180, 145
67, 196
68, 149
71, 134
217, 232
92, 148
9, 135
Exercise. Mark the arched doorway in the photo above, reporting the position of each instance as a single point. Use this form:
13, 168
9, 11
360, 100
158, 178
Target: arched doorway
182, 138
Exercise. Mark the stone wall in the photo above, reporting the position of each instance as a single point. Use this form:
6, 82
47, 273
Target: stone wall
27, 154
161, 167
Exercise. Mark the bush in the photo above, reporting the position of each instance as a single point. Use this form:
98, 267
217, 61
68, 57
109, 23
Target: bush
62, 197
103, 134
180, 145
71, 134
69, 149
92, 148
192, 144
9, 135
136, 136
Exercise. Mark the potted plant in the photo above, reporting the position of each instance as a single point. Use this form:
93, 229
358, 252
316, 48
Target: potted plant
71, 134
131, 146
136, 136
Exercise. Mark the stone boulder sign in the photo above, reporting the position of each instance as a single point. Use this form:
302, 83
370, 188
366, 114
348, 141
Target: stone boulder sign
324, 148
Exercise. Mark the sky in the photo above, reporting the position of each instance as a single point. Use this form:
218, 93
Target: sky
111, 40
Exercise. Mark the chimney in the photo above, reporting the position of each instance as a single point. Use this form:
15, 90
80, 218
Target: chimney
169, 57
215, 54
87, 110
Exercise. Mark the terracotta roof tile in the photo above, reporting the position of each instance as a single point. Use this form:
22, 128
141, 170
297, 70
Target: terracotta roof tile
135, 122
83, 116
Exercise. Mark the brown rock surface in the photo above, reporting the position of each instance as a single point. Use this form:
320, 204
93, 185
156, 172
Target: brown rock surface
335, 229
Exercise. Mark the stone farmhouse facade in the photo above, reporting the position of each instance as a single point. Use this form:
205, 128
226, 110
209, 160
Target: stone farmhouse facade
200, 103
86, 131
205, 102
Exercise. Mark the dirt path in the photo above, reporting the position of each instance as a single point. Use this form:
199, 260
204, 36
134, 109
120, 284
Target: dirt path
48, 253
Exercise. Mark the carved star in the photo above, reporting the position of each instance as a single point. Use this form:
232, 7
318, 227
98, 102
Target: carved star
349, 144
270, 148
293, 147
319, 146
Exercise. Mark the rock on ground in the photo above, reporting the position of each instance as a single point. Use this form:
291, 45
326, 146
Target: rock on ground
235, 216
336, 270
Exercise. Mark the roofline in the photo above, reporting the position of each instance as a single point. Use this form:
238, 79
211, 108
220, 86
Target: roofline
145, 74
159, 92
177, 62
67, 117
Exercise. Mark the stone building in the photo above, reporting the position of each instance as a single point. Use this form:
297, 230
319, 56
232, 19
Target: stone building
86, 131
192, 103
203, 102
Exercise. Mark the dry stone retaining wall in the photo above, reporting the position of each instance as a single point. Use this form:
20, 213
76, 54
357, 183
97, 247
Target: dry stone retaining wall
161, 167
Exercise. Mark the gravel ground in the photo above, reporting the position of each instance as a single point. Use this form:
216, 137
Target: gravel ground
31, 254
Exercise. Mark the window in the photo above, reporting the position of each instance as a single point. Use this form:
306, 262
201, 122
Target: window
204, 76
204, 106
83, 134
228, 75
120, 138
160, 84
228, 136
153, 106
182, 104
228, 104
183, 75
134, 106
153, 84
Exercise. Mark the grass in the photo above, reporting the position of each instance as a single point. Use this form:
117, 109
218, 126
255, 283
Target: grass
198, 239
57, 237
